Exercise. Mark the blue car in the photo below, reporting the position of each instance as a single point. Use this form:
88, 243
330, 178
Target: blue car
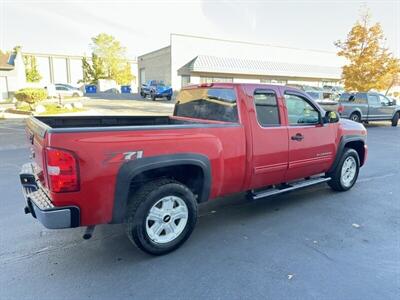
156, 89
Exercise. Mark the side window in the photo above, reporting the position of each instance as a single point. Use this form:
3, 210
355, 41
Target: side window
267, 110
384, 101
300, 111
360, 98
373, 99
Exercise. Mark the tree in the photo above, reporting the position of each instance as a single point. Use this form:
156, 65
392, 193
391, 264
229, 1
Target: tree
92, 72
87, 71
31, 69
370, 64
125, 75
111, 61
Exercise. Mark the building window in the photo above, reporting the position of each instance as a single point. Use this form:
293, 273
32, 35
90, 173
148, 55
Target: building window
185, 80
215, 79
267, 110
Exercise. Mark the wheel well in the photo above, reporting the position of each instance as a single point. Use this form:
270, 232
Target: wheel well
356, 112
359, 147
190, 175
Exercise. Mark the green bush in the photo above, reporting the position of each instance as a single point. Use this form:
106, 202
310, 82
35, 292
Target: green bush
31, 96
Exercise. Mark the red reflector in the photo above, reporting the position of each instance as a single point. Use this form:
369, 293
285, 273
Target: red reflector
62, 171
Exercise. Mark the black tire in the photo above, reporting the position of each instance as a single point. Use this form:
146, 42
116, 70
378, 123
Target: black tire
355, 117
143, 95
139, 206
395, 119
169, 98
153, 96
336, 183
75, 95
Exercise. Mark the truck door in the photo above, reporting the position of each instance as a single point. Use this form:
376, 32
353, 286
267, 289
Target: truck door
387, 108
374, 106
311, 143
269, 138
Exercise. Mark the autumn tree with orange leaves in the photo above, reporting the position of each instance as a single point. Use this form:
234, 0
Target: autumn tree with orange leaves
370, 65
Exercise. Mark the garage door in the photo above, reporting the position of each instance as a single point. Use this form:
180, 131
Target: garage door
3, 88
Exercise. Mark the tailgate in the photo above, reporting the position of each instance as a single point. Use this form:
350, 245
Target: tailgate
36, 135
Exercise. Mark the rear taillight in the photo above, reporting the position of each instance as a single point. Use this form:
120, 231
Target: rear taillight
340, 108
62, 171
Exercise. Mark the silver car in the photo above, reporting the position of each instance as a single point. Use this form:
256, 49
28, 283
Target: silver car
67, 90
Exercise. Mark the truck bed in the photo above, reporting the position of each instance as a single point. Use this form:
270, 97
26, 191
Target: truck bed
63, 124
108, 121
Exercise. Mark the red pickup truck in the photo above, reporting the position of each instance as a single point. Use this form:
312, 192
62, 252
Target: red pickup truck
152, 172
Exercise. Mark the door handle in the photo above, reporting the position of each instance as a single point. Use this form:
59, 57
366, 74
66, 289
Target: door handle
298, 137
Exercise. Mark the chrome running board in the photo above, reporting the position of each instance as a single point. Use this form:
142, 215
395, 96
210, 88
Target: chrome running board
288, 187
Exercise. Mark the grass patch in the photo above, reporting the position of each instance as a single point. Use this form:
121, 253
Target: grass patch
51, 109
54, 109
24, 107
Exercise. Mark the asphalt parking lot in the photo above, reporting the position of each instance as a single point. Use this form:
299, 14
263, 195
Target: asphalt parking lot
310, 244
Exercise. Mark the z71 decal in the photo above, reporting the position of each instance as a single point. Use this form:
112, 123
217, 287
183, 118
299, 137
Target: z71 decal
124, 156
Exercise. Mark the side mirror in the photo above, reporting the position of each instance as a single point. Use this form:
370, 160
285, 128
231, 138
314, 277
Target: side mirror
331, 117
393, 102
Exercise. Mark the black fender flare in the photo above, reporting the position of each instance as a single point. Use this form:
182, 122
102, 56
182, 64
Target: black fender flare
133, 168
343, 141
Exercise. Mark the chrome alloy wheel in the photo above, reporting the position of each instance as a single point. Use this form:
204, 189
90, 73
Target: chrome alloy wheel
167, 219
349, 170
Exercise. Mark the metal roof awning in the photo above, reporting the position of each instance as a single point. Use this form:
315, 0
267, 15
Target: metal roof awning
227, 65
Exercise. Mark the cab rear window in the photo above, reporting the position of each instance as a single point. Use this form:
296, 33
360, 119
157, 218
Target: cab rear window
207, 103
357, 98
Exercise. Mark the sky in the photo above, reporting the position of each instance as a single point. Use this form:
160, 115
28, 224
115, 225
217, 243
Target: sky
66, 27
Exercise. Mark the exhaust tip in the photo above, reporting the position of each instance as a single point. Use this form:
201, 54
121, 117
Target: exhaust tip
88, 232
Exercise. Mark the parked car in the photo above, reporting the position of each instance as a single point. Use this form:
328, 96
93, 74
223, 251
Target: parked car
333, 92
156, 89
369, 106
67, 90
328, 104
152, 172
314, 92
317, 94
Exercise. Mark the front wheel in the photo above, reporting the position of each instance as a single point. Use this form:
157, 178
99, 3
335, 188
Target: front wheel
153, 96
395, 119
169, 98
161, 216
346, 173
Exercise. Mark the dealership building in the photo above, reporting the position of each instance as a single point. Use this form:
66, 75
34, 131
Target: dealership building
53, 68
195, 59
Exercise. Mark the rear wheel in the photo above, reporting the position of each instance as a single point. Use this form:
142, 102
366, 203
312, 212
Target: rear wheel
346, 173
75, 95
355, 117
168, 98
395, 119
161, 216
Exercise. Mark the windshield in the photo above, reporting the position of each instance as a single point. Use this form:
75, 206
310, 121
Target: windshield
207, 103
